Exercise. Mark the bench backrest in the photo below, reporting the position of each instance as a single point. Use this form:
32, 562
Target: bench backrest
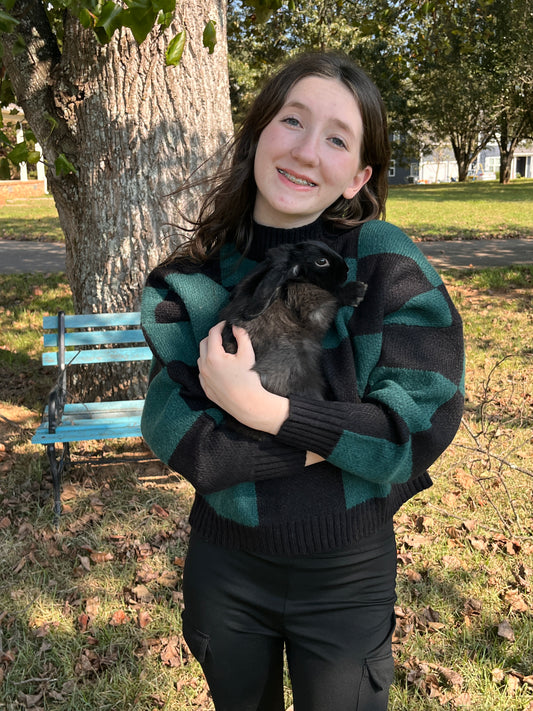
104, 338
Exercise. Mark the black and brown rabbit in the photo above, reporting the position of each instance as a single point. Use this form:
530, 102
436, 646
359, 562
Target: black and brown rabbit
286, 304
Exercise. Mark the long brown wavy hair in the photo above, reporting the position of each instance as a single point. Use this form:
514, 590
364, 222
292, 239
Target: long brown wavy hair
226, 213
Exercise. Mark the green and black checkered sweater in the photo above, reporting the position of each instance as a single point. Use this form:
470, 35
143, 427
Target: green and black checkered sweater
394, 368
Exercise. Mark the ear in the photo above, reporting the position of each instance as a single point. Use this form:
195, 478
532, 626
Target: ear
362, 177
243, 293
267, 290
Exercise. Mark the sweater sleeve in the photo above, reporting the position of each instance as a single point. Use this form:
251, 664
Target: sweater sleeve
181, 426
407, 343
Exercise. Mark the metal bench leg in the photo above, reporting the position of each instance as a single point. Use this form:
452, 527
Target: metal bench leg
57, 466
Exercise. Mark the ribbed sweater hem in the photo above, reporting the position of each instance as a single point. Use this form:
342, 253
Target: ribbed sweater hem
320, 534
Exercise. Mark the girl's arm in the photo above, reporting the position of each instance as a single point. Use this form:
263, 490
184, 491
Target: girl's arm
229, 381
181, 425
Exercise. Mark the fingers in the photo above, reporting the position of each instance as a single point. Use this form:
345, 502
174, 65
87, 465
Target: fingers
209, 343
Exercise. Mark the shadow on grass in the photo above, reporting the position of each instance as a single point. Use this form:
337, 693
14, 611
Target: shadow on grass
39, 229
428, 232
91, 612
517, 191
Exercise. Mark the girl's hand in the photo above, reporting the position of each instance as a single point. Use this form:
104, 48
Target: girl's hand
229, 381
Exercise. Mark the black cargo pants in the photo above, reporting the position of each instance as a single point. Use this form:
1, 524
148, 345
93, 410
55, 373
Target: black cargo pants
332, 613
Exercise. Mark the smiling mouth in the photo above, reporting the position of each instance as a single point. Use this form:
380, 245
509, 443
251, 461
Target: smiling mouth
295, 180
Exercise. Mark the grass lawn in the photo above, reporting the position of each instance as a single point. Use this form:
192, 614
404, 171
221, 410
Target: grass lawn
463, 210
90, 614
448, 211
32, 218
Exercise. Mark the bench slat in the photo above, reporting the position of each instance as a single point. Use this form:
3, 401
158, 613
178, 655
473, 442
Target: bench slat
91, 338
93, 420
129, 318
96, 430
104, 355
112, 407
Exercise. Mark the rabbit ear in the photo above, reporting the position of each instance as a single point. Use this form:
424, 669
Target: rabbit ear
243, 293
269, 288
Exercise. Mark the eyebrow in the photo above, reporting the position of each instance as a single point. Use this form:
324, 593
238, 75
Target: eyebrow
341, 124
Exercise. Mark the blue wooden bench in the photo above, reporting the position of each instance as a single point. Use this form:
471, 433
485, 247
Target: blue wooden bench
84, 340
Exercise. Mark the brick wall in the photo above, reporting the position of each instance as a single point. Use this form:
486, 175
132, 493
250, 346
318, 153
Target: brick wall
20, 189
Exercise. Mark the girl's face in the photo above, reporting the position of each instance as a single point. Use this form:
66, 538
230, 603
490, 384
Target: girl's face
309, 154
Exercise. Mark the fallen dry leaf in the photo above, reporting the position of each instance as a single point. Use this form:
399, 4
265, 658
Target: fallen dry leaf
452, 562
92, 606
515, 601
142, 593
98, 557
85, 562
83, 621
462, 701
159, 511
464, 479
30, 700
170, 654
506, 631
416, 541
498, 675
144, 618
118, 618
413, 575
69, 491
168, 579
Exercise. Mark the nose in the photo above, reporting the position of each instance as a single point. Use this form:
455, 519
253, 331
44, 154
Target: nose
305, 150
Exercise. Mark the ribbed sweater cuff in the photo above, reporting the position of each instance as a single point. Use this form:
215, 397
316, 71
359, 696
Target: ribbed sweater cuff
275, 459
313, 425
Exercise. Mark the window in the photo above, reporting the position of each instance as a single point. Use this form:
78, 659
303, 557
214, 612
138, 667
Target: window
392, 169
492, 164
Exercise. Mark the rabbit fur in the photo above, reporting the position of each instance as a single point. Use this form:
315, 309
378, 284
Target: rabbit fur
287, 304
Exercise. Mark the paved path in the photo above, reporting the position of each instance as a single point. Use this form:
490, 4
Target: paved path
20, 257
478, 253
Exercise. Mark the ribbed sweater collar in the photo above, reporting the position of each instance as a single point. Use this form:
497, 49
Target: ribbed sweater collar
266, 237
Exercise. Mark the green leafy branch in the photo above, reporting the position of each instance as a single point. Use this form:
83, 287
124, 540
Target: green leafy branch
24, 152
105, 17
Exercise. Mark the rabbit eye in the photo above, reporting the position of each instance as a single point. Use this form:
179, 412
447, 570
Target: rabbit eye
322, 262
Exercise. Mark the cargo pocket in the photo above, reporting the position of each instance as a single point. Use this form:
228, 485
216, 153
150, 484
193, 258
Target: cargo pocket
197, 641
378, 675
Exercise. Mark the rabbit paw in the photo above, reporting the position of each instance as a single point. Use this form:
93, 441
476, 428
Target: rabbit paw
352, 293
229, 342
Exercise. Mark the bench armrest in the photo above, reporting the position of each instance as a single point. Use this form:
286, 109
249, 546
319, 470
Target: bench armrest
56, 404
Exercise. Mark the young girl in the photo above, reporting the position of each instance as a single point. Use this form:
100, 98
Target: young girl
292, 546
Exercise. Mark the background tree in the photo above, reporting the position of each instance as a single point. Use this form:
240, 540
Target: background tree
508, 59
452, 84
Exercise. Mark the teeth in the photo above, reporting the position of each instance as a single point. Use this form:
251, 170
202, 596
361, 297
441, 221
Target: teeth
294, 179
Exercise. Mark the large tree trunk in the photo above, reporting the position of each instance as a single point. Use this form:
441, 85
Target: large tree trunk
135, 130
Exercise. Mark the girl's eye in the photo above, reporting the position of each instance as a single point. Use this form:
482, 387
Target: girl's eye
322, 262
338, 142
291, 121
